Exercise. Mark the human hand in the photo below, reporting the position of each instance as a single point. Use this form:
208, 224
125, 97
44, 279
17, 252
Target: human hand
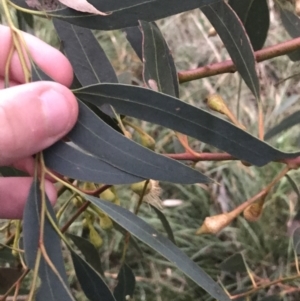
32, 117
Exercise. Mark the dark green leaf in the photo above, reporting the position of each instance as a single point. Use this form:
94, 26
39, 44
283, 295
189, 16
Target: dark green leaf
157, 71
249, 10
8, 171
88, 250
165, 224
150, 11
74, 163
52, 287
232, 33
135, 38
294, 186
89, 61
271, 298
38, 74
179, 116
291, 24
126, 284
233, 264
296, 240
162, 245
114, 5
24, 20
90, 281
96, 137
285, 124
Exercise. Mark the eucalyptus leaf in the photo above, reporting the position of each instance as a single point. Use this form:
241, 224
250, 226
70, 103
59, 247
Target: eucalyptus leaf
90, 281
285, 124
53, 287
94, 136
159, 69
149, 11
126, 284
233, 35
177, 115
75, 163
144, 232
249, 10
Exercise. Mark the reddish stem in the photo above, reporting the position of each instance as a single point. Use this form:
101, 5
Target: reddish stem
228, 66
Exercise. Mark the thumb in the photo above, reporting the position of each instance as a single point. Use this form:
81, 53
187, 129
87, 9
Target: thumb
32, 117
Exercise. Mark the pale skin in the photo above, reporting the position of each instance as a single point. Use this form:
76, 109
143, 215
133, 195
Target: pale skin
32, 117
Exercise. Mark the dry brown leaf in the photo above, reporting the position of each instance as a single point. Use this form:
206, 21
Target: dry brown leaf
82, 6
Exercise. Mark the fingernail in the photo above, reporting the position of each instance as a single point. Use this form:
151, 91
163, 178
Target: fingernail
57, 111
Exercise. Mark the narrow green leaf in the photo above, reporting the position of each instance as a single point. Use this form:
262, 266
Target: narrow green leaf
90, 281
296, 240
285, 124
135, 38
249, 10
38, 74
165, 224
157, 71
126, 284
8, 171
291, 24
233, 264
115, 5
88, 59
88, 250
162, 245
271, 298
233, 35
128, 17
78, 164
52, 287
96, 137
179, 116
294, 186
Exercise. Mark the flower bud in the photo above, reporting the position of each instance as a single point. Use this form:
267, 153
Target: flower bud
214, 224
254, 211
106, 223
216, 103
138, 188
95, 238
108, 195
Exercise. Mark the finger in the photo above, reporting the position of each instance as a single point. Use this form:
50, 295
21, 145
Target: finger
33, 117
49, 59
12, 200
11, 83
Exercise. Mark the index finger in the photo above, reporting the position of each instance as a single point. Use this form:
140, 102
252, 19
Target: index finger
49, 59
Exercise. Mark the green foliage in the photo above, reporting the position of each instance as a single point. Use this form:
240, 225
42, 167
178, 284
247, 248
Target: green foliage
101, 150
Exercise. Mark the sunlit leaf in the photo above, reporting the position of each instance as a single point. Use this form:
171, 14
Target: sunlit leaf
162, 245
126, 284
232, 34
179, 116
